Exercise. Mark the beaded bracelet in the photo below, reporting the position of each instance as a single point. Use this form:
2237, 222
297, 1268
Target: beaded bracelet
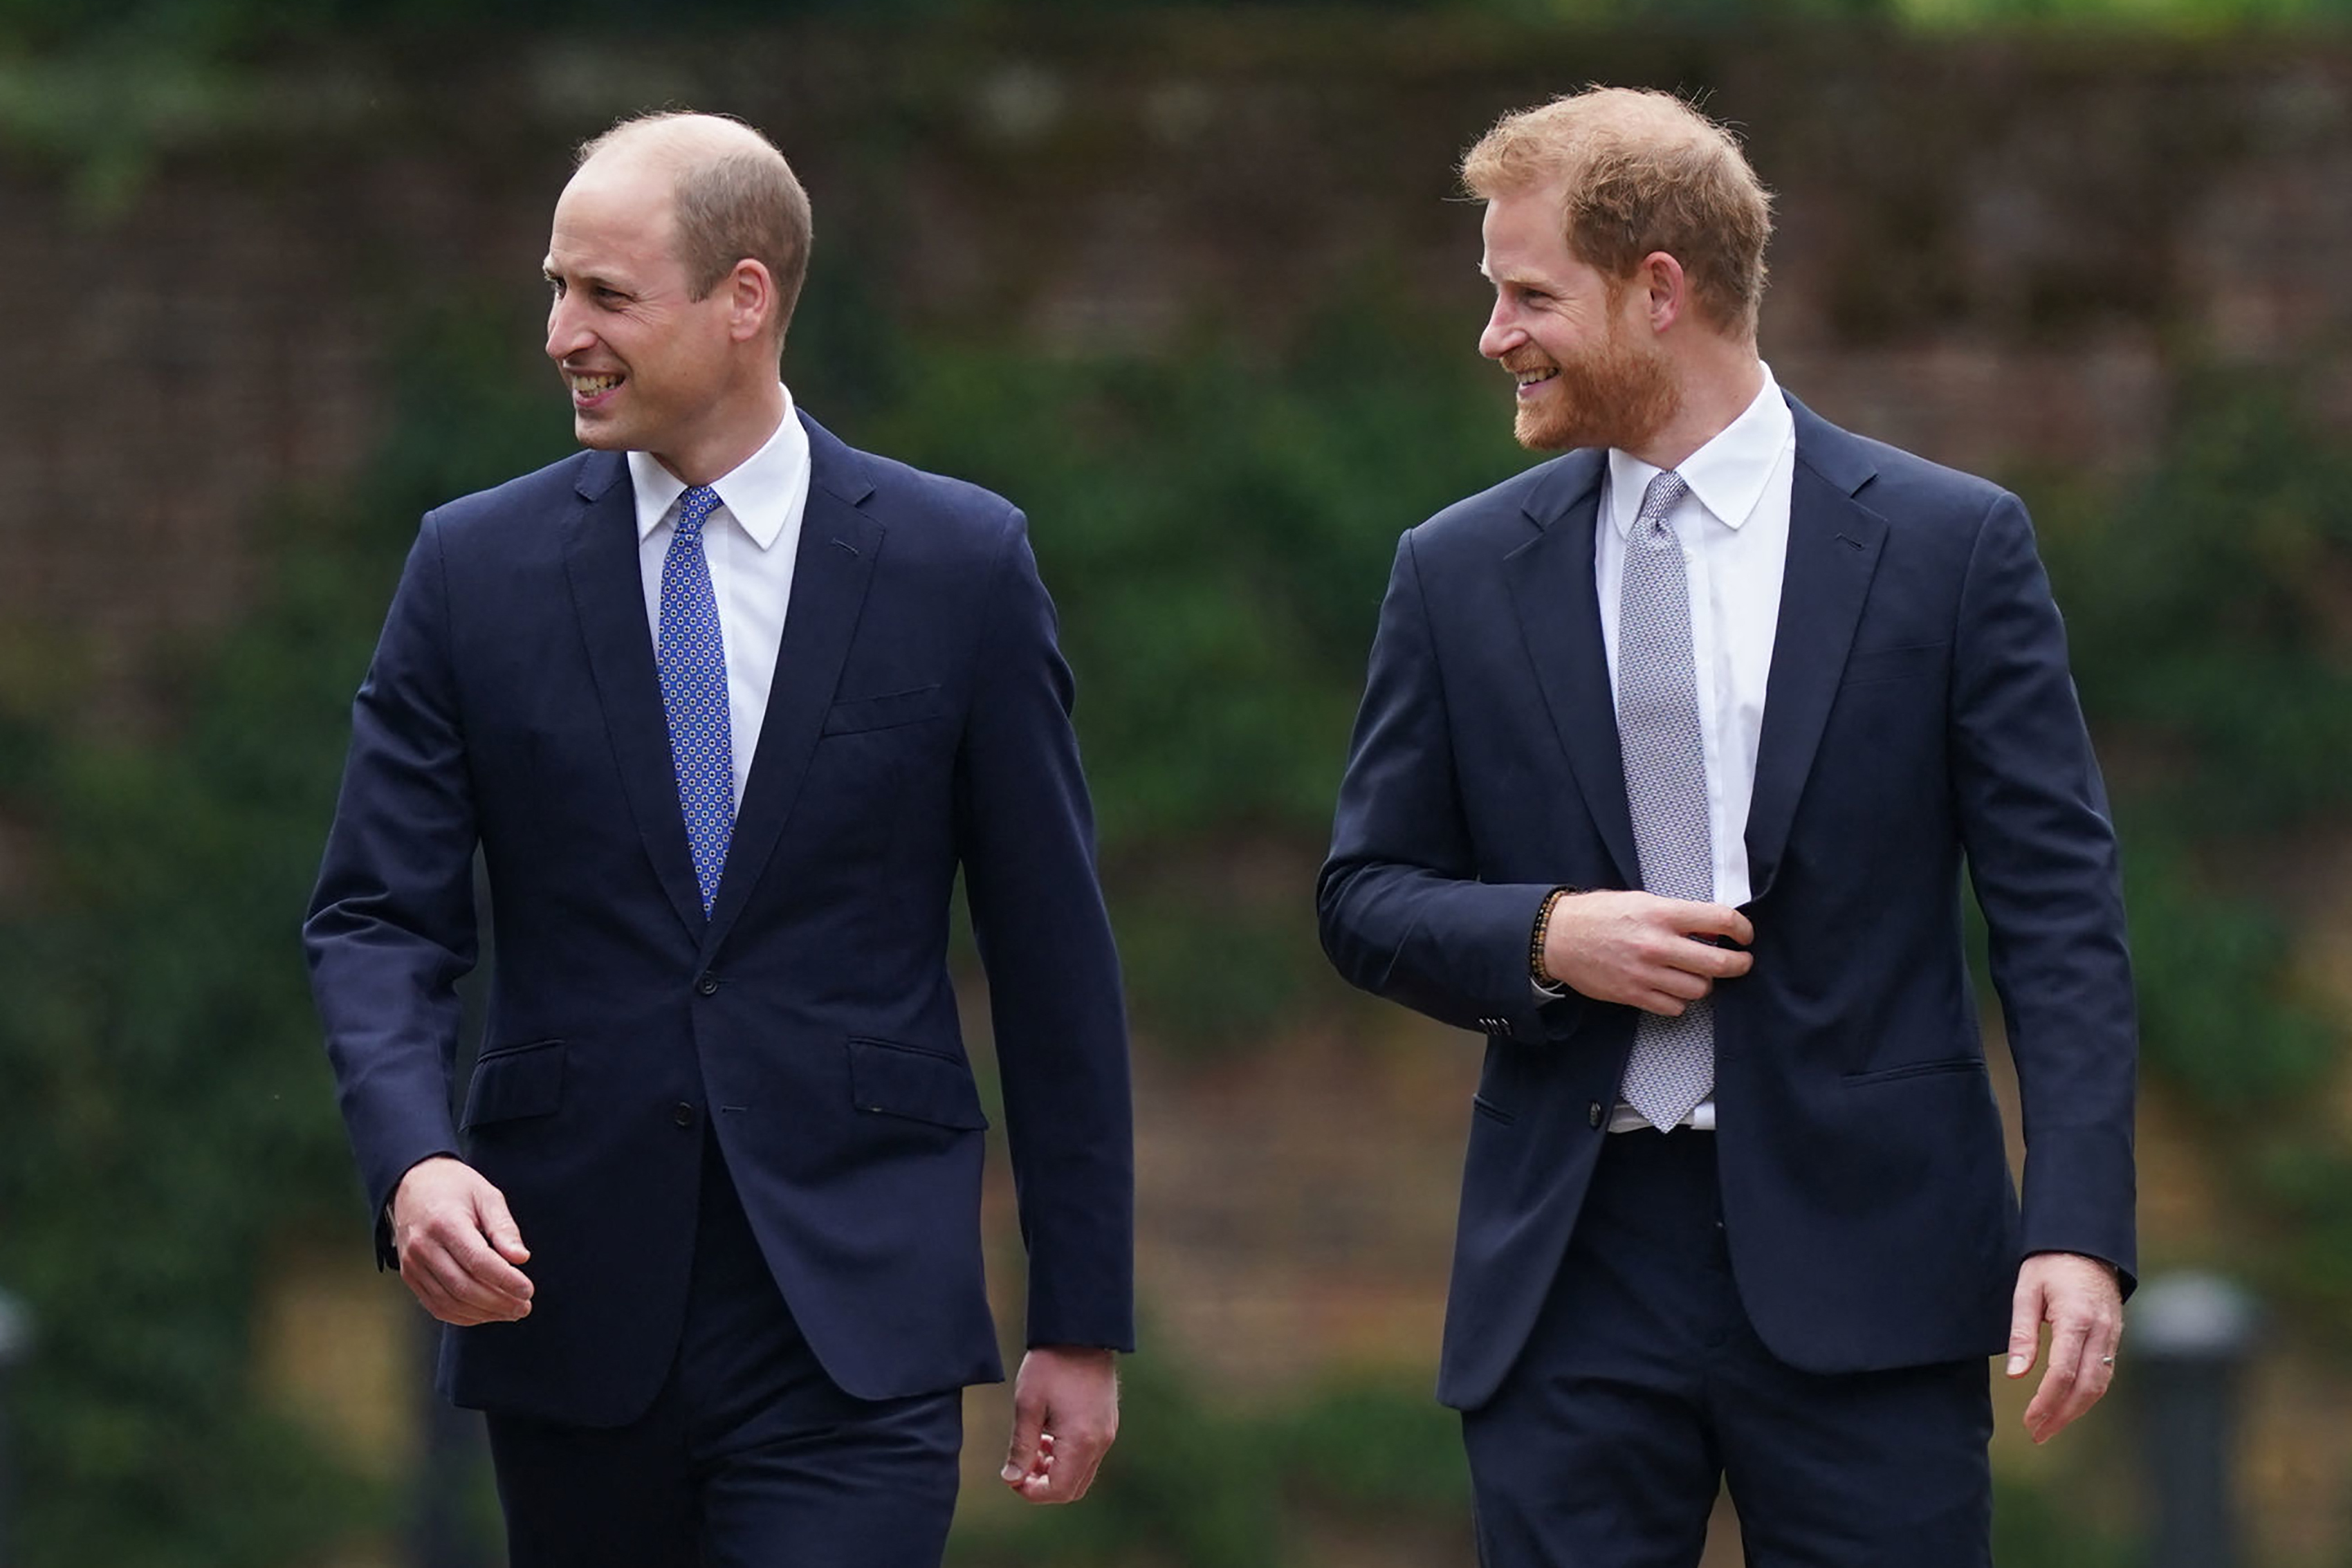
1543, 925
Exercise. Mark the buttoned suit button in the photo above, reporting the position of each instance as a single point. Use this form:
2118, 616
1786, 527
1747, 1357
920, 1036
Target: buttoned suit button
1592, 1114
707, 986
682, 1114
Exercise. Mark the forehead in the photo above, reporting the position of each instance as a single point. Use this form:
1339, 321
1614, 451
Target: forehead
1527, 232
614, 212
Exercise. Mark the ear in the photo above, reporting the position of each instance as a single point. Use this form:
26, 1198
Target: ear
751, 301
1666, 292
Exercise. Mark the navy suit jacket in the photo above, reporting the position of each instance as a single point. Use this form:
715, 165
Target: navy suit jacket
1918, 716
918, 722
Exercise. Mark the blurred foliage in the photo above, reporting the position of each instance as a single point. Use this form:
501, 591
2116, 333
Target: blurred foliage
2210, 612
171, 1124
1217, 523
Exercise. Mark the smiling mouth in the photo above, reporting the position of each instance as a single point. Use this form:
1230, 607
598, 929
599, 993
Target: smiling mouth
586, 386
1534, 377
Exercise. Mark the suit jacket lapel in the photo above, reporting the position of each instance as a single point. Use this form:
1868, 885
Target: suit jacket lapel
1560, 616
1833, 548
831, 572
600, 556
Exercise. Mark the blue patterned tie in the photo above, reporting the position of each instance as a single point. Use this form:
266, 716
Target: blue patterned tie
1671, 1068
693, 664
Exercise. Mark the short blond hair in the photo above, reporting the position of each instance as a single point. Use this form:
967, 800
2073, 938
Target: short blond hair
735, 199
1640, 172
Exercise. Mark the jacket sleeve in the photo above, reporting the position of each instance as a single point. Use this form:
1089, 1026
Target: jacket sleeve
1024, 830
2042, 854
391, 926
1401, 907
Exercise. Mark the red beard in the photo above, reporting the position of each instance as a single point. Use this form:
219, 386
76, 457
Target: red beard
1617, 395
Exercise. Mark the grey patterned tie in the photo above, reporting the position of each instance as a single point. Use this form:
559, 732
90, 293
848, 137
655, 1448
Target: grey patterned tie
1673, 1065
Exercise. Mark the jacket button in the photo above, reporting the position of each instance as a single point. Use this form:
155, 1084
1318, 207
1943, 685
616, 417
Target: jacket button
682, 1114
707, 986
1592, 1114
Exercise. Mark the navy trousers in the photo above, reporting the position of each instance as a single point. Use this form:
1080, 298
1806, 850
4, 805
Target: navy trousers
751, 1456
1644, 1388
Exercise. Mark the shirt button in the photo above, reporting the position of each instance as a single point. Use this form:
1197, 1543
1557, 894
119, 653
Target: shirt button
682, 1114
707, 986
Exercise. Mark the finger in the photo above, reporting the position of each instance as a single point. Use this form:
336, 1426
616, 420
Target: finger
1717, 963
2096, 1372
2024, 1327
499, 1228
2059, 1382
434, 1299
1021, 1459
1681, 983
458, 1290
1658, 1002
1077, 1459
493, 1274
1711, 920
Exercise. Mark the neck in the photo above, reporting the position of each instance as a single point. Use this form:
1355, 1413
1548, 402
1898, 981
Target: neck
746, 420
1720, 377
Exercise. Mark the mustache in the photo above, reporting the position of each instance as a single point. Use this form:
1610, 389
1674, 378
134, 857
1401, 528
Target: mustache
1527, 358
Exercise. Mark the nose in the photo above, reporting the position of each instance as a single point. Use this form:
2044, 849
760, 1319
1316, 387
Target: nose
1503, 332
567, 333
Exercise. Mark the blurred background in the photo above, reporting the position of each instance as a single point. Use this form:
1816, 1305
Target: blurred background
1190, 285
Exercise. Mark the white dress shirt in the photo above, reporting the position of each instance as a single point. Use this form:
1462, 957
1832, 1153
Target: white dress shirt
1734, 528
751, 541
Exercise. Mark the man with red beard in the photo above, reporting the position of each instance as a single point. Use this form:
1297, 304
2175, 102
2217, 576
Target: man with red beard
1672, 753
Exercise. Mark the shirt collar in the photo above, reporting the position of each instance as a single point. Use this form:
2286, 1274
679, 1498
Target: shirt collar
758, 493
1728, 474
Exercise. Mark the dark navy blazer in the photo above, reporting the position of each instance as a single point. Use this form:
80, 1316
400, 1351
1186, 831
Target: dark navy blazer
918, 722
1918, 716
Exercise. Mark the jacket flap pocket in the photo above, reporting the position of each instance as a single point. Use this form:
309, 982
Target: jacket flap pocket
923, 1085
516, 1081
884, 712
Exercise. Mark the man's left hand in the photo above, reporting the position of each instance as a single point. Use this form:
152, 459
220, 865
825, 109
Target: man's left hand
2079, 1298
1065, 1415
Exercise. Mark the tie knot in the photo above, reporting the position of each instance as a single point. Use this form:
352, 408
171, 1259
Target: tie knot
694, 509
1659, 499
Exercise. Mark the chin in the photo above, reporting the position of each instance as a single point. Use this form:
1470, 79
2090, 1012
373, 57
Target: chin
599, 434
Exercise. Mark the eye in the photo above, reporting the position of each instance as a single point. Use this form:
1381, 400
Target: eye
554, 286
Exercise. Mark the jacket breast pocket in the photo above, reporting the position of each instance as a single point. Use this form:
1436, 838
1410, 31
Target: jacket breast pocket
514, 1082
854, 715
894, 1079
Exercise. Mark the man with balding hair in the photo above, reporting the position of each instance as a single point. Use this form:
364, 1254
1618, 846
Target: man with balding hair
1672, 753
725, 707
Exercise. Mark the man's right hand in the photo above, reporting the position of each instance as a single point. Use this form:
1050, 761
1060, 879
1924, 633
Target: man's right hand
458, 1246
1642, 950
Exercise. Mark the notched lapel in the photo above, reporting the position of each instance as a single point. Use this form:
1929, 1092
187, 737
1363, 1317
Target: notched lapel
600, 556
1560, 616
831, 572
1833, 548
